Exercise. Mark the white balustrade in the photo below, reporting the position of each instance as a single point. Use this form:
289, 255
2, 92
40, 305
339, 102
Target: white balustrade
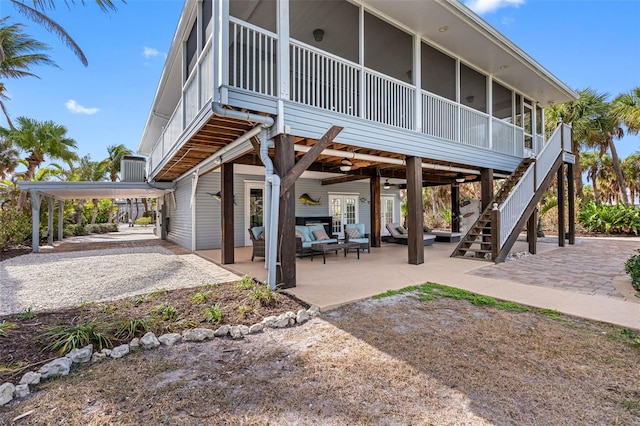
474, 127
503, 136
191, 99
548, 155
206, 75
515, 204
439, 117
252, 58
389, 101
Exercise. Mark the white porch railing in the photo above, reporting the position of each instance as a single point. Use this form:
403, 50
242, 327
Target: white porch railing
324, 81
522, 194
474, 127
205, 75
439, 117
389, 101
252, 58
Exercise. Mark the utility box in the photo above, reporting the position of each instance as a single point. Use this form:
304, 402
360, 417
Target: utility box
133, 169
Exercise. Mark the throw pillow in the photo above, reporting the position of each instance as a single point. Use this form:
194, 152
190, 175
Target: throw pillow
300, 235
320, 235
401, 230
353, 233
261, 236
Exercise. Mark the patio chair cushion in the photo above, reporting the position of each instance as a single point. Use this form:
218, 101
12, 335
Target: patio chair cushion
358, 226
301, 236
359, 240
320, 235
352, 233
401, 230
305, 231
312, 228
257, 231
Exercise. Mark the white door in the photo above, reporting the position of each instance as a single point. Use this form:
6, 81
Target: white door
343, 209
387, 212
253, 211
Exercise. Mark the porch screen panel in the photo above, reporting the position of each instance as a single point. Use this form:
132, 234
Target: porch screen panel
260, 13
473, 88
387, 49
438, 72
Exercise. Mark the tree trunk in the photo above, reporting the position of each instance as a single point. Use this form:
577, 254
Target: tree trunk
615, 160
94, 212
79, 209
32, 165
577, 174
111, 211
595, 185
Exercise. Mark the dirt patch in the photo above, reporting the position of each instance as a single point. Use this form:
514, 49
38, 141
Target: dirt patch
395, 360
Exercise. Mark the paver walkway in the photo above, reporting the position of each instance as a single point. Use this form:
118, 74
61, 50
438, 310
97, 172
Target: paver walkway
589, 267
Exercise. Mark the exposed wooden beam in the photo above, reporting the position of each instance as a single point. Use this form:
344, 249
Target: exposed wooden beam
303, 164
342, 179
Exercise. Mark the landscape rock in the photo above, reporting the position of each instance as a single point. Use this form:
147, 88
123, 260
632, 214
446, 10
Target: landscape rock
149, 341
82, 355
313, 311
6, 393
57, 367
256, 328
106, 352
134, 344
197, 335
291, 317
280, 321
222, 331
235, 332
30, 378
269, 321
244, 329
302, 316
119, 351
98, 357
21, 391
170, 339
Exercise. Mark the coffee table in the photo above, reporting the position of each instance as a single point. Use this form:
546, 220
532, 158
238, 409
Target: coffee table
329, 247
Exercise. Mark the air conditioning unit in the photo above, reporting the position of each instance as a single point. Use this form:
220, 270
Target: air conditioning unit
133, 169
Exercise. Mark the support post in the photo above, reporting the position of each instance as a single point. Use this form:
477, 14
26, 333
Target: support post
284, 160
561, 206
376, 209
571, 204
455, 207
163, 219
60, 220
532, 234
495, 232
415, 216
35, 221
226, 191
486, 187
50, 202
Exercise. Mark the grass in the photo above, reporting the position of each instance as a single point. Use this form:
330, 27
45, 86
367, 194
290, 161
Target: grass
26, 315
77, 334
165, 311
213, 314
551, 313
201, 296
431, 291
245, 283
129, 328
5, 326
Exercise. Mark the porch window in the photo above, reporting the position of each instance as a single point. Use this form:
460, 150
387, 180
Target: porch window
438, 72
191, 50
502, 102
473, 88
335, 24
207, 22
387, 49
261, 13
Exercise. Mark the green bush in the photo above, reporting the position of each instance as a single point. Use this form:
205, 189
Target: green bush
607, 219
101, 228
632, 267
75, 230
15, 229
77, 334
143, 221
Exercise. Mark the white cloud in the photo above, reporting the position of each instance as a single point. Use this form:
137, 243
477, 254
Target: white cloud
76, 108
150, 52
486, 6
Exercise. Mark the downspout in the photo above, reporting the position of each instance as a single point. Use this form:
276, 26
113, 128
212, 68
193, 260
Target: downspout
272, 186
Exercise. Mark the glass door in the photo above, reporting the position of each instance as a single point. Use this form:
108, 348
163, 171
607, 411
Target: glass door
254, 212
343, 209
387, 213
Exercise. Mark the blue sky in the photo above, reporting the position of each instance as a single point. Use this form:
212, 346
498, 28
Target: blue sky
585, 43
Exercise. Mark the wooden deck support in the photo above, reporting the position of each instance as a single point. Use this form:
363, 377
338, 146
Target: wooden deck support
486, 188
455, 207
226, 191
532, 232
415, 216
375, 236
284, 161
561, 227
571, 204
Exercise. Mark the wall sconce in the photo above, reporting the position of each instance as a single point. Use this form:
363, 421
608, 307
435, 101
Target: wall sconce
318, 34
470, 99
460, 179
345, 165
386, 185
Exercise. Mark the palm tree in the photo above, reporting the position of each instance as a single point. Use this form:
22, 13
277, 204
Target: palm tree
116, 153
93, 171
19, 53
8, 157
40, 140
37, 15
626, 107
592, 163
631, 166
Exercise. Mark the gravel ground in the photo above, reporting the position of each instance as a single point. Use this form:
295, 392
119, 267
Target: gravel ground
54, 280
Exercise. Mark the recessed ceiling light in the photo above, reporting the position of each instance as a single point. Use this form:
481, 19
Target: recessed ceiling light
443, 29
504, 67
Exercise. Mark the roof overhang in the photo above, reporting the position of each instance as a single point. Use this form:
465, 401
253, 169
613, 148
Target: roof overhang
99, 190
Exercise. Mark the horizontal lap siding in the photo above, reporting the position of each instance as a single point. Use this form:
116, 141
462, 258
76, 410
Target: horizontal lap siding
180, 215
253, 102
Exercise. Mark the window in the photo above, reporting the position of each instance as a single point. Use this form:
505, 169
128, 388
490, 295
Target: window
207, 22
438, 72
502, 102
192, 48
473, 88
387, 49
343, 209
539, 114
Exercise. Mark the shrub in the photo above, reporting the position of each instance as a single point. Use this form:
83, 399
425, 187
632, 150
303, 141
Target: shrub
245, 283
165, 312
142, 221
75, 230
632, 267
615, 219
200, 296
65, 337
15, 229
5, 326
129, 328
101, 228
213, 314
262, 294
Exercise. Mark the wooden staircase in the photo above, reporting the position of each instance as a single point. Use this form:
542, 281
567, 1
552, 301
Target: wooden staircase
478, 241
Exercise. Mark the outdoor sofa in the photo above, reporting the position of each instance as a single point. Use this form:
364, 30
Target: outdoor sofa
399, 235
307, 236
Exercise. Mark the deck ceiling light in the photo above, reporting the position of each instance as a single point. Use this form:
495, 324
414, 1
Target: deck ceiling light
460, 179
386, 185
345, 165
318, 34
504, 67
443, 29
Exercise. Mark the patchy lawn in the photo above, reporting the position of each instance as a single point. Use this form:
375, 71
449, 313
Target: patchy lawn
428, 356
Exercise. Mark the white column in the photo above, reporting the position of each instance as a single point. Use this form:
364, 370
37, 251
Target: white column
361, 61
283, 49
60, 220
50, 202
490, 110
35, 221
417, 80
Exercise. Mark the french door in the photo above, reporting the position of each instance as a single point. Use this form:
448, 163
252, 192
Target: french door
253, 207
343, 209
387, 213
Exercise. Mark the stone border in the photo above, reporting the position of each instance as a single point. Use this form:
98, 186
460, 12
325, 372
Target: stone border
62, 366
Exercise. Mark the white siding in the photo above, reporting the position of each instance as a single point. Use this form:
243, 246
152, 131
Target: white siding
180, 215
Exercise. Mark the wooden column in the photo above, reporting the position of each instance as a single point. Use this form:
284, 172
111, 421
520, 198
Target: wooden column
486, 187
415, 217
284, 160
532, 232
376, 209
226, 191
561, 206
455, 207
571, 204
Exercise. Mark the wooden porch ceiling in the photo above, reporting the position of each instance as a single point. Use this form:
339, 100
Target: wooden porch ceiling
220, 131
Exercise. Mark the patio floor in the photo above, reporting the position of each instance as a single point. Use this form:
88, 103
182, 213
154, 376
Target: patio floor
342, 280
